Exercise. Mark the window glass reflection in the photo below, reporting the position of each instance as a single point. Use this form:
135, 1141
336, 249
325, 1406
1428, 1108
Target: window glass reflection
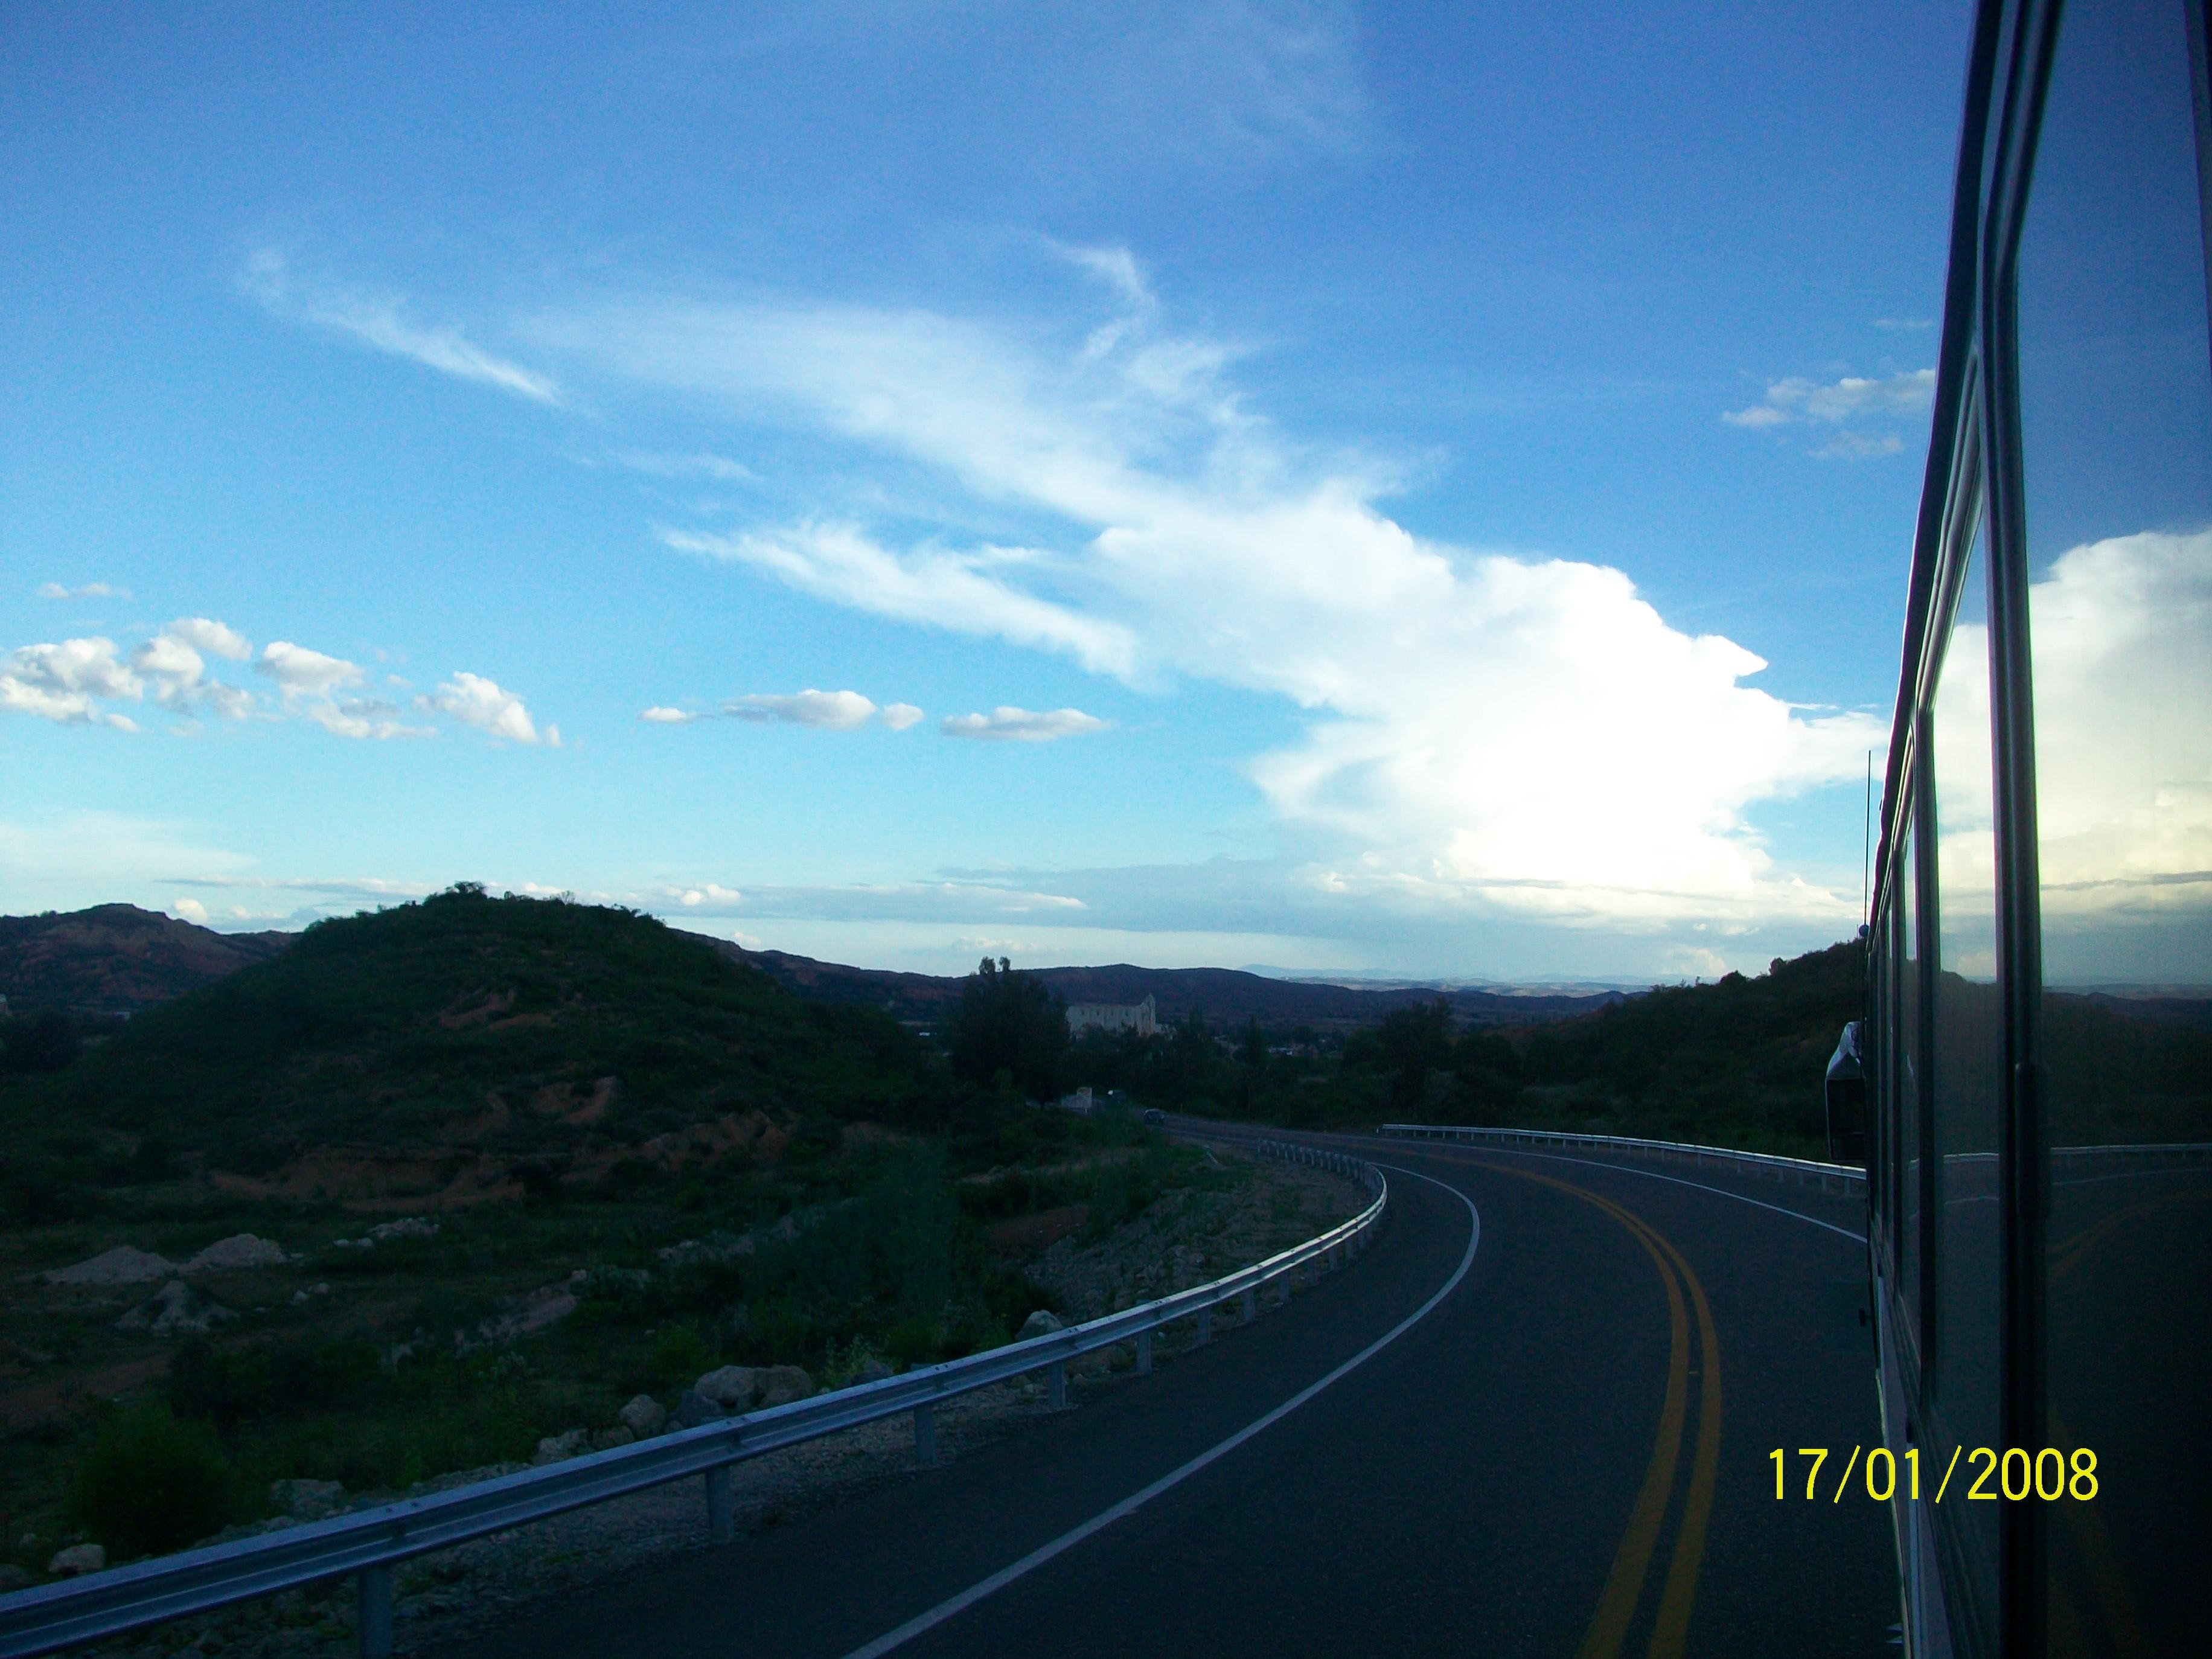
2116, 378
1908, 1086
1966, 1061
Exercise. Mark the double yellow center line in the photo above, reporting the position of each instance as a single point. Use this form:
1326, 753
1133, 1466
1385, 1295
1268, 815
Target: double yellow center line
1631, 1563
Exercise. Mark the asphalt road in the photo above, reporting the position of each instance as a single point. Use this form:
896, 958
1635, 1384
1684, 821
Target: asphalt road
1568, 1453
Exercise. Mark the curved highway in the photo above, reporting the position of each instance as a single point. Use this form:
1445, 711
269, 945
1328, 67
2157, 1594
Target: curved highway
1536, 1417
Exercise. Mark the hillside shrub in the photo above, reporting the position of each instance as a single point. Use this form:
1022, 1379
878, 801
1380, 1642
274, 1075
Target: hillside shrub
150, 1483
680, 1354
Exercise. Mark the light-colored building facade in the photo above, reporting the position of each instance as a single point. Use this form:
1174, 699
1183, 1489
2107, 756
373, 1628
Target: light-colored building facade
1142, 1017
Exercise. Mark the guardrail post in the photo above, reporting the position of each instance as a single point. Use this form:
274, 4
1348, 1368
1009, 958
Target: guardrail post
1205, 1326
372, 1624
1144, 1353
925, 1435
721, 1519
1056, 1385
1251, 1304
1283, 1288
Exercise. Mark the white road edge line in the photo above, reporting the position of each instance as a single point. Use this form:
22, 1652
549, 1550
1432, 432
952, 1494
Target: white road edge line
1653, 1175
1128, 1506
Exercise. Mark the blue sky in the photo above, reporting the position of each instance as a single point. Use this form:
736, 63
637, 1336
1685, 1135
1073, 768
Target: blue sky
1414, 490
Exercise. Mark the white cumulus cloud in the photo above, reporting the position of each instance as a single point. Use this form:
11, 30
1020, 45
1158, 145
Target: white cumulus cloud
664, 716
900, 715
1007, 724
475, 700
1852, 398
177, 673
205, 634
66, 683
1521, 734
827, 711
300, 672
89, 591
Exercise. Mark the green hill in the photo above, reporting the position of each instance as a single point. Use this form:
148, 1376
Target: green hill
488, 1043
507, 1164
1736, 1063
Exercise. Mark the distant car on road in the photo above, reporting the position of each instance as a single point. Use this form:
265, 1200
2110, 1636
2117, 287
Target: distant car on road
1154, 1114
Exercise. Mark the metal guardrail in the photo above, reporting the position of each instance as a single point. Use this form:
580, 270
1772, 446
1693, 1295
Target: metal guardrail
2168, 1151
369, 1544
1846, 1177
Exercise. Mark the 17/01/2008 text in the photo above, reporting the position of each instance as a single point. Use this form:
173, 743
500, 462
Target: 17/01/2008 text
2014, 1475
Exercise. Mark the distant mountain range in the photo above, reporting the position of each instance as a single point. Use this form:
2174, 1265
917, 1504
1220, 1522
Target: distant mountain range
117, 959
1224, 995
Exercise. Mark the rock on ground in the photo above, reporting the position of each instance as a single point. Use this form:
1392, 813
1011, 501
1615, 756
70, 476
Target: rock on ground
175, 1310
695, 1408
1043, 1322
123, 1265
642, 1417
240, 1250
307, 1500
733, 1388
782, 1384
76, 1558
554, 1448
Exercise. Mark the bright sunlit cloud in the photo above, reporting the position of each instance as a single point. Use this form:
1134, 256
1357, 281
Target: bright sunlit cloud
475, 700
1526, 735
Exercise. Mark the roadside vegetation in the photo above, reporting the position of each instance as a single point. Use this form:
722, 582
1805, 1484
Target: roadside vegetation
504, 1165
1736, 1063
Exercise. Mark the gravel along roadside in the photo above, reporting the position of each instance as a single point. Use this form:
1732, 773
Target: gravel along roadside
1183, 1239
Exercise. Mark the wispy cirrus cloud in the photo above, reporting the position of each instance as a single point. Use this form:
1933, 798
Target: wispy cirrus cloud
823, 711
89, 591
1007, 724
719, 468
1480, 727
929, 901
961, 592
1858, 446
382, 320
